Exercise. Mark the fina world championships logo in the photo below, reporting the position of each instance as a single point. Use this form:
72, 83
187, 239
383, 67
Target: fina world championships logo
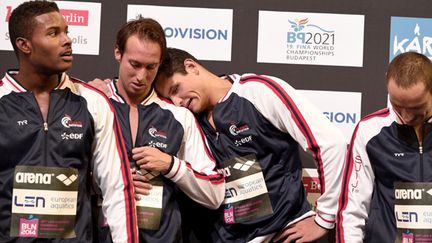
410, 34
307, 41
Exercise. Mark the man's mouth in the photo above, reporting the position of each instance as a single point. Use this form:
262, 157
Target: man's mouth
67, 55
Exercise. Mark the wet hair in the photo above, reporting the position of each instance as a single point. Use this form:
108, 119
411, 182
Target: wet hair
409, 68
174, 62
22, 19
145, 29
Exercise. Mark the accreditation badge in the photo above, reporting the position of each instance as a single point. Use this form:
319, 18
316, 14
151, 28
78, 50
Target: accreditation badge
413, 211
149, 207
44, 202
246, 195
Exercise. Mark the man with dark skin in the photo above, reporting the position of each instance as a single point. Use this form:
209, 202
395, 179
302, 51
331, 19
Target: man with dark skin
57, 134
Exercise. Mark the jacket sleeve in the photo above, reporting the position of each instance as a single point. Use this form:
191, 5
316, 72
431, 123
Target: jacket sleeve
194, 168
111, 170
357, 189
290, 112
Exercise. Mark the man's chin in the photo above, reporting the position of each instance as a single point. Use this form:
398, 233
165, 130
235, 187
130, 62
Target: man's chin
65, 67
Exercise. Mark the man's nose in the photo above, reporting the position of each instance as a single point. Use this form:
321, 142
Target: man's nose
141, 74
176, 100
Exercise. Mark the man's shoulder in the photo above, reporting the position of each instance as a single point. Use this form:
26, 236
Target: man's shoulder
180, 113
373, 123
81, 88
376, 115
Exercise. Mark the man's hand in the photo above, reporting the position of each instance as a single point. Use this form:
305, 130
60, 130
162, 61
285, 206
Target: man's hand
305, 230
141, 184
151, 159
101, 85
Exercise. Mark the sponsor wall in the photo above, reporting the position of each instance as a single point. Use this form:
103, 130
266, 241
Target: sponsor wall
335, 52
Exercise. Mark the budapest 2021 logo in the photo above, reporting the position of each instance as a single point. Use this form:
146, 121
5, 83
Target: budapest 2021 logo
306, 41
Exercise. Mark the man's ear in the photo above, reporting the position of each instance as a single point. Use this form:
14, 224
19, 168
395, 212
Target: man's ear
191, 66
117, 54
23, 45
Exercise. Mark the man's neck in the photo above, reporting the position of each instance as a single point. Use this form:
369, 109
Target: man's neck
219, 87
133, 101
37, 82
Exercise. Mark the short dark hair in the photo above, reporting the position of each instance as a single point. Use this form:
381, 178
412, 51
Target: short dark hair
22, 19
409, 68
174, 62
144, 28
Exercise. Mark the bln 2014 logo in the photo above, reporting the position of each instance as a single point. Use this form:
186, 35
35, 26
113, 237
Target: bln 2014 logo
229, 214
408, 237
29, 227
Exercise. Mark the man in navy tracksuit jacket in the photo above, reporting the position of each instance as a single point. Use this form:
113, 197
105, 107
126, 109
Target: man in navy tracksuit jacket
386, 190
56, 133
164, 140
254, 125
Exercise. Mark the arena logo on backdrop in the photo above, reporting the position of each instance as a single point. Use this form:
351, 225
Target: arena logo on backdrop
410, 34
310, 38
344, 115
83, 19
203, 37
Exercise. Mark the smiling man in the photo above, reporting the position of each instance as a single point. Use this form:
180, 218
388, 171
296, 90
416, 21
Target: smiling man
255, 125
56, 132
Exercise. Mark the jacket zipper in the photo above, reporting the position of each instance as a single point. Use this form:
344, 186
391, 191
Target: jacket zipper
44, 126
421, 155
421, 162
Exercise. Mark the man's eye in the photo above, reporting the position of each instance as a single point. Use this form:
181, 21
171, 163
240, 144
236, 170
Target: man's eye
151, 67
174, 90
135, 65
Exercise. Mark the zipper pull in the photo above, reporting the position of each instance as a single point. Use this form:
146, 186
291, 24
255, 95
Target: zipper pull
421, 149
45, 127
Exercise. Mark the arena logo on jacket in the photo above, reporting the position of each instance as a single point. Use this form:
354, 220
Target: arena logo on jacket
149, 207
44, 202
246, 194
413, 201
